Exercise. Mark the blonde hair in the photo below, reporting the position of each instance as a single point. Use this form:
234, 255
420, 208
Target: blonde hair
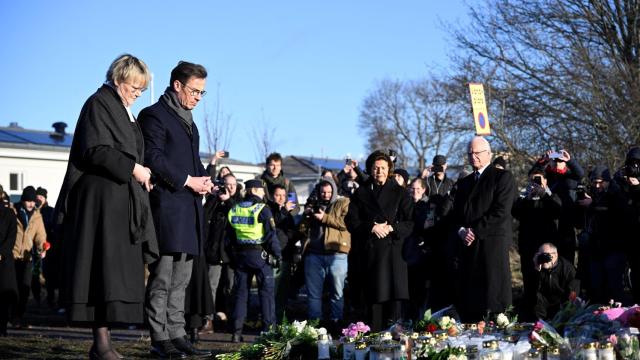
128, 67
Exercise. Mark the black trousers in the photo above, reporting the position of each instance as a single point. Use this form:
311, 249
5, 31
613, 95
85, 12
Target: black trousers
385, 314
23, 277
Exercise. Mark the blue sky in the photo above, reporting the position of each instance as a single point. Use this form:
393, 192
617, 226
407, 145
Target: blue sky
303, 66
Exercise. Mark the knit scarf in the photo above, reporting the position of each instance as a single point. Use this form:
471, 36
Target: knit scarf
170, 98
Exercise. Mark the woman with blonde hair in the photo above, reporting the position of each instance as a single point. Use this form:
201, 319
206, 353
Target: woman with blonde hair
104, 212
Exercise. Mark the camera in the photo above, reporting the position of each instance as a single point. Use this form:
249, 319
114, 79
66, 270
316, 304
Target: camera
544, 258
316, 204
632, 169
437, 168
225, 154
221, 188
581, 192
537, 180
393, 155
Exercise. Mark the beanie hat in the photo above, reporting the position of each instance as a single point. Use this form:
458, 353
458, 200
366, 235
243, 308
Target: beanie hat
500, 161
439, 160
600, 172
634, 154
253, 184
28, 194
41, 191
403, 173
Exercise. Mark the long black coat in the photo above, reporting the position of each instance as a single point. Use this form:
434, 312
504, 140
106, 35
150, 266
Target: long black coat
99, 206
485, 276
172, 154
8, 227
385, 269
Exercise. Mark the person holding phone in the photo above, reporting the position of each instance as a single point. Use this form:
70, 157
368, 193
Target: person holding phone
537, 209
563, 174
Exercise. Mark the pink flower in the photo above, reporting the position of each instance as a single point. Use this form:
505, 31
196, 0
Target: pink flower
362, 327
538, 326
613, 339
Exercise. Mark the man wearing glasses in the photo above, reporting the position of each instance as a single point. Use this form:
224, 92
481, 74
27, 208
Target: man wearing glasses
171, 143
482, 215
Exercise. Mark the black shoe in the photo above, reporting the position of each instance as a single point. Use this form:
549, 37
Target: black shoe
165, 350
193, 336
236, 338
186, 347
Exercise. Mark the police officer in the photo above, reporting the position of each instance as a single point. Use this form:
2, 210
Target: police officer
256, 251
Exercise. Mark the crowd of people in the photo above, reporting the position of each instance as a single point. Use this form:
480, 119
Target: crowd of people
372, 243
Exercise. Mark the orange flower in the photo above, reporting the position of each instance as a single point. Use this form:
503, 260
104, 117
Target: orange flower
453, 331
481, 326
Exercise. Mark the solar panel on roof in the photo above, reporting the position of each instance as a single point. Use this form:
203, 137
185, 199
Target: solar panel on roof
34, 137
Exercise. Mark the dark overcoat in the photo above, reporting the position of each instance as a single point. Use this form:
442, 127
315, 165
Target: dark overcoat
105, 215
382, 262
172, 154
8, 227
485, 275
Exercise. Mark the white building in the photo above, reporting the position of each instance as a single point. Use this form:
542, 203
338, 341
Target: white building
39, 158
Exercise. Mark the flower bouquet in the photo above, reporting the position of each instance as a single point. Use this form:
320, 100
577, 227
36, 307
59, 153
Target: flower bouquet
297, 340
545, 335
352, 335
626, 344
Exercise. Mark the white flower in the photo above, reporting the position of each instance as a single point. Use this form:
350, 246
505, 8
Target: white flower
386, 336
445, 322
502, 320
299, 326
313, 331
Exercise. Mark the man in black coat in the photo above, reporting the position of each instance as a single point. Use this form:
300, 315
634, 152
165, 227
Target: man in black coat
8, 284
555, 281
172, 153
482, 219
537, 209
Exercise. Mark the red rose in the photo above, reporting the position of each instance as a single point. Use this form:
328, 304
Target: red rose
432, 328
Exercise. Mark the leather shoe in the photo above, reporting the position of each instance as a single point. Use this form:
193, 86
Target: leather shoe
207, 328
165, 350
194, 336
236, 338
186, 347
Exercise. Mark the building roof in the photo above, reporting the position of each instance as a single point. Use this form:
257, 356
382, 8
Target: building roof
18, 136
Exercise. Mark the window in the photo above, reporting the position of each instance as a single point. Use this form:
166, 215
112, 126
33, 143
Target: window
15, 182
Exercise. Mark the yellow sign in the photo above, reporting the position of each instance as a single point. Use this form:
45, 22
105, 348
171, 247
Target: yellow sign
480, 115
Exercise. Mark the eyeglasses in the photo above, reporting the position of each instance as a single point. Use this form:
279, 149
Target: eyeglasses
193, 91
476, 153
137, 89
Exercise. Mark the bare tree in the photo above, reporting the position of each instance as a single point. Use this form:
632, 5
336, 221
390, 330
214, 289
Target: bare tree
412, 117
559, 74
218, 126
263, 135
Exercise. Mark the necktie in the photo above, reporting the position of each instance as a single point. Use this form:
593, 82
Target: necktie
476, 176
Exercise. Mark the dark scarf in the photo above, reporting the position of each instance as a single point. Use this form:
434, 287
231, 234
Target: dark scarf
170, 98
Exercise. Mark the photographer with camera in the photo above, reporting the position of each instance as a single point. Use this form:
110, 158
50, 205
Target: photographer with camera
325, 251
291, 249
628, 179
436, 177
602, 243
256, 251
216, 210
537, 210
555, 281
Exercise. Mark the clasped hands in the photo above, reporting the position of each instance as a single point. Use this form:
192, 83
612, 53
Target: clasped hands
381, 230
467, 236
201, 185
142, 174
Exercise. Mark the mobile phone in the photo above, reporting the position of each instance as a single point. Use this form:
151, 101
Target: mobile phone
555, 155
347, 161
538, 180
291, 197
225, 154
